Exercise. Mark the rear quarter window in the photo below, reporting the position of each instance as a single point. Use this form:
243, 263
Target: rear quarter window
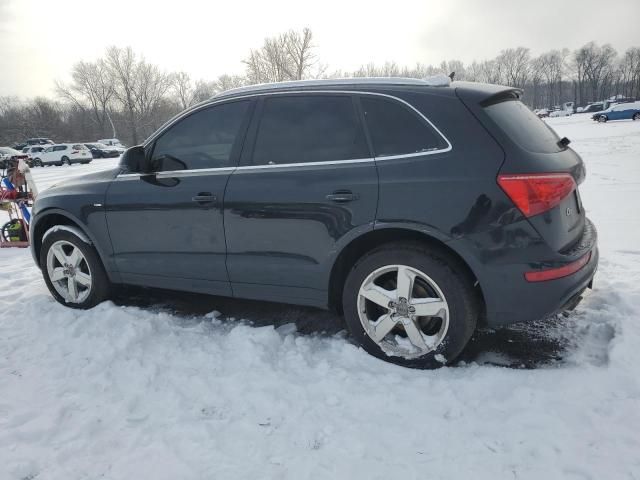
524, 127
396, 129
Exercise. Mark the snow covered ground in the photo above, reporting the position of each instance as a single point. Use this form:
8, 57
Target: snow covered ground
167, 392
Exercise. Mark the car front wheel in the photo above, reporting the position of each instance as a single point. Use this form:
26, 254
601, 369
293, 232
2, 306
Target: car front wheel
408, 305
602, 118
72, 270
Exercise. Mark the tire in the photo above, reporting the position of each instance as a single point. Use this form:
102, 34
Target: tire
89, 264
440, 278
636, 116
37, 162
65, 161
602, 119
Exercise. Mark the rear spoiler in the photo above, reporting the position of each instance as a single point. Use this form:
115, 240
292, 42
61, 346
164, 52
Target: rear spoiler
485, 94
512, 94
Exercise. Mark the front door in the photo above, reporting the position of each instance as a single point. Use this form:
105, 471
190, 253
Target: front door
167, 228
306, 188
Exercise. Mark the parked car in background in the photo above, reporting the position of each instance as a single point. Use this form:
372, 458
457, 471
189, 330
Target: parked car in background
563, 110
33, 141
111, 142
100, 150
8, 153
541, 112
591, 107
348, 216
622, 111
63, 154
616, 101
33, 152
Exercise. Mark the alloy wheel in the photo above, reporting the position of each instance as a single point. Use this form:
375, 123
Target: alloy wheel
69, 271
403, 310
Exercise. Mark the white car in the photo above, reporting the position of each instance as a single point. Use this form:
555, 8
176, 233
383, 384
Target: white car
33, 152
63, 154
564, 110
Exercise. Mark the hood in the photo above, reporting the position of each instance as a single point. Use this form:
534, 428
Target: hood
75, 191
90, 178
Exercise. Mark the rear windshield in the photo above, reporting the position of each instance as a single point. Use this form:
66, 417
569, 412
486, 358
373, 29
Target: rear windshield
524, 127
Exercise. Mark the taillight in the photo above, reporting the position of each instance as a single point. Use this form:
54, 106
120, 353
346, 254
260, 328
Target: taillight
75, 151
536, 193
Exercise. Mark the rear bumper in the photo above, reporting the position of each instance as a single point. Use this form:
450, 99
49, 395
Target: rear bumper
527, 301
510, 298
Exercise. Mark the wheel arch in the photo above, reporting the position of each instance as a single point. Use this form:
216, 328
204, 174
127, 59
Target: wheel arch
366, 242
50, 218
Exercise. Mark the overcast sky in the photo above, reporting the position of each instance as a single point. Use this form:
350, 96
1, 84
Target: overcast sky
41, 39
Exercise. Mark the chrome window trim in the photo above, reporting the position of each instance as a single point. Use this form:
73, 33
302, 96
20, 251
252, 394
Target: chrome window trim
306, 164
177, 173
220, 100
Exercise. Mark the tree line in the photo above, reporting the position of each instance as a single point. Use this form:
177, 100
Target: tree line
122, 95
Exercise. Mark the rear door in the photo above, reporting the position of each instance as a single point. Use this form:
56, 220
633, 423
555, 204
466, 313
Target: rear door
306, 186
167, 228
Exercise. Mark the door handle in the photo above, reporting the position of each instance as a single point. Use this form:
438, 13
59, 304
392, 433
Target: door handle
204, 197
342, 196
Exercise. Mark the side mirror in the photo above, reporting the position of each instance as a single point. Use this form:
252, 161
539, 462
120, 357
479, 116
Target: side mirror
134, 161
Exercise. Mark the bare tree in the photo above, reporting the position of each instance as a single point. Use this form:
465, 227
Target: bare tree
139, 88
183, 89
513, 65
594, 66
630, 72
288, 56
300, 52
91, 88
227, 82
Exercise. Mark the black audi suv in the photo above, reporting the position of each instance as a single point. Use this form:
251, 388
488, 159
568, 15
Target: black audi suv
417, 209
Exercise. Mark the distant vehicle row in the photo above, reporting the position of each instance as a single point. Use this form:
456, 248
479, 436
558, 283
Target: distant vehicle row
568, 108
114, 143
42, 151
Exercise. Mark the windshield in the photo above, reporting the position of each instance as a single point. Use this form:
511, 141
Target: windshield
524, 127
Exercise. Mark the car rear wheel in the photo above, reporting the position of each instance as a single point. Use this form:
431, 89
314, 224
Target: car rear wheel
408, 305
602, 118
636, 116
72, 270
37, 162
65, 161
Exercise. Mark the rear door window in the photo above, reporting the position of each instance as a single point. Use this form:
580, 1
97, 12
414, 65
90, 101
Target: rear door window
396, 129
524, 127
307, 129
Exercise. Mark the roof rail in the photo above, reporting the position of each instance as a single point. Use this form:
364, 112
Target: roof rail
440, 80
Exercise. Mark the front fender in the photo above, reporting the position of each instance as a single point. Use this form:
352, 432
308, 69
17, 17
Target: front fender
92, 225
